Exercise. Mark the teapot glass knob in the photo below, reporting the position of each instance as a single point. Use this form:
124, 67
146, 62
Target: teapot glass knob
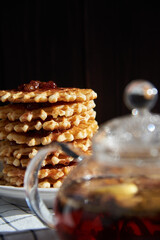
140, 95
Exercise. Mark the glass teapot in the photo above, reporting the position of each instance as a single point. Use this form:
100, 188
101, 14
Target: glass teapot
113, 194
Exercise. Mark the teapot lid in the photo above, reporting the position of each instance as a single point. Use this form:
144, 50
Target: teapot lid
137, 134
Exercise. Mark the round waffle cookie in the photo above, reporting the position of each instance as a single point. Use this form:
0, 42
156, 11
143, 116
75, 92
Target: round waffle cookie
50, 160
60, 123
42, 183
12, 173
8, 149
51, 95
36, 138
20, 112
54, 173
18, 151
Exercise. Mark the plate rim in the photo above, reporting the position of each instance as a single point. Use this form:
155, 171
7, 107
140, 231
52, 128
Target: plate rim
22, 189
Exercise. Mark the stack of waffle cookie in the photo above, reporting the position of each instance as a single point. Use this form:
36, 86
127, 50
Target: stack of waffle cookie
36, 115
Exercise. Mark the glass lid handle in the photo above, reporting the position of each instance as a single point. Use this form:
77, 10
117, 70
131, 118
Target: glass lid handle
140, 95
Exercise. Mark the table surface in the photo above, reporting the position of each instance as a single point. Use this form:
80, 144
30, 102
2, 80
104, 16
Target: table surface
18, 222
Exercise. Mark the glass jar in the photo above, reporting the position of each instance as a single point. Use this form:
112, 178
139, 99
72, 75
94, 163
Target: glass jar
113, 194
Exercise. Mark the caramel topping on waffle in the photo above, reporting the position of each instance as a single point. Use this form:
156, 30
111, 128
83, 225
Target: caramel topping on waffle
37, 85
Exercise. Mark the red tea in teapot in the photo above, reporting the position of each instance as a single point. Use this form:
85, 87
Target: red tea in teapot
105, 208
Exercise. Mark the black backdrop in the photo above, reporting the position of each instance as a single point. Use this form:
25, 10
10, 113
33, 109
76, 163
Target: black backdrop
81, 43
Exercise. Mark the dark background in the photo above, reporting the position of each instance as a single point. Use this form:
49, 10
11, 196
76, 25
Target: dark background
81, 43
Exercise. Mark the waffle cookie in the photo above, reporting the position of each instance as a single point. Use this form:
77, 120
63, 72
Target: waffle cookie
50, 124
52, 159
10, 149
43, 183
36, 114
24, 114
15, 176
52, 95
31, 139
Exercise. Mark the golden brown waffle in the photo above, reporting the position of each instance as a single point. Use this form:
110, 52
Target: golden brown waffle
3, 182
50, 160
52, 96
43, 183
13, 181
50, 183
20, 112
3, 134
76, 132
8, 149
60, 123
4, 110
10, 171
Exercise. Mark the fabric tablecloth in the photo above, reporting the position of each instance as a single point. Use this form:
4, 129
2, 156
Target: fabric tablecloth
18, 222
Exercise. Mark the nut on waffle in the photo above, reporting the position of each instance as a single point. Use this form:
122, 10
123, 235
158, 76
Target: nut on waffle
20, 112
37, 114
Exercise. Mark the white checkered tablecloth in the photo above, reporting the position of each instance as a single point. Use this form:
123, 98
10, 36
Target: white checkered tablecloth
17, 222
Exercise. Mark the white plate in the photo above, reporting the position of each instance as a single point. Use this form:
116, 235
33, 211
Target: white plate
16, 195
